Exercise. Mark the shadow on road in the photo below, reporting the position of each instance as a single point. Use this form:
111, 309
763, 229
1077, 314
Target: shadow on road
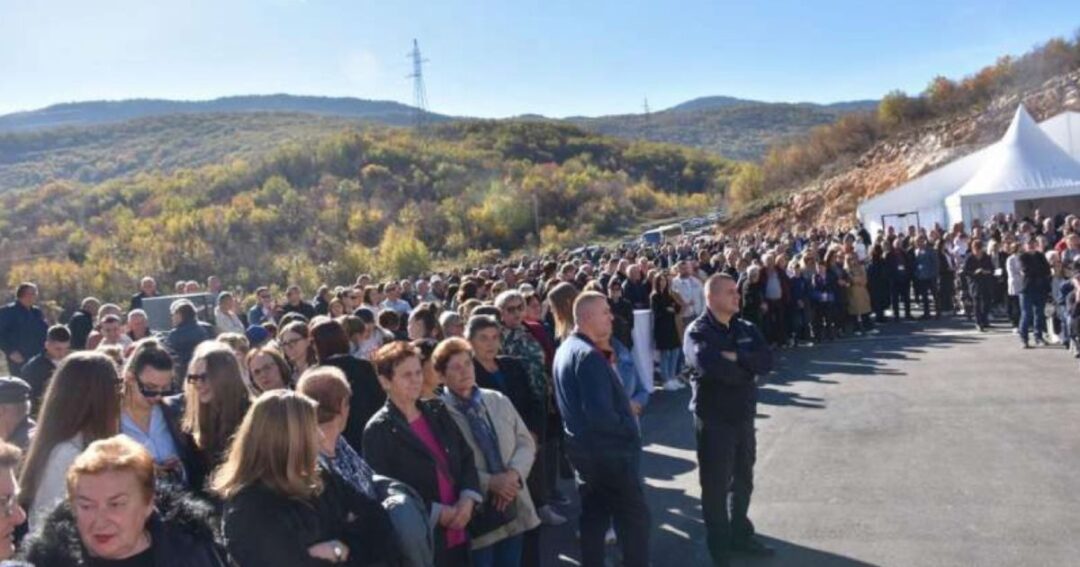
669, 462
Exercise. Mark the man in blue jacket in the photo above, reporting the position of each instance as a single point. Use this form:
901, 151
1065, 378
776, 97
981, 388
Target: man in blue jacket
726, 355
602, 438
22, 328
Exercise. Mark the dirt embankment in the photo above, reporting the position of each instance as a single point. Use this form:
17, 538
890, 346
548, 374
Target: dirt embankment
830, 201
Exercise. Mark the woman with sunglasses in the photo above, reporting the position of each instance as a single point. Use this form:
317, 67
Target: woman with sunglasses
148, 380
215, 400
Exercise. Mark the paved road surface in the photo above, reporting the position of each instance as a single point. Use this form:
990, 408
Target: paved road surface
924, 445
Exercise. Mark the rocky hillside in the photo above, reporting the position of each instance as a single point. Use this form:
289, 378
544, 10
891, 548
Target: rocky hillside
832, 198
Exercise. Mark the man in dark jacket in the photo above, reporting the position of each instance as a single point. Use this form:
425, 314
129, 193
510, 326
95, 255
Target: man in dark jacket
147, 289
926, 276
1033, 292
898, 266
726, 356
39, 370
636, 288
979, 271
81, 323
186, 334
602, 438
22, 328
295, 303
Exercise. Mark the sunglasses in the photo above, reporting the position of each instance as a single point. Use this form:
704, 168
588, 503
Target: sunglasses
148, 392
193, 378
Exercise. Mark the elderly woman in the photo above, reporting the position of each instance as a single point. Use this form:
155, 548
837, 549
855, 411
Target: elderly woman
113, 517
281, 508
332, 349
419, 444
503, 450
329, 389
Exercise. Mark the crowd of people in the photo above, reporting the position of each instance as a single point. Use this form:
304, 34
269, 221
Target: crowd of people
428, 421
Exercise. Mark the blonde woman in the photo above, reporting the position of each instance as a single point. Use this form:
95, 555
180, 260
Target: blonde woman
272, 472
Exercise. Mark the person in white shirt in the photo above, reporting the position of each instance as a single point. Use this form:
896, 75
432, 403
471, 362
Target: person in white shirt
690, 289
225, 318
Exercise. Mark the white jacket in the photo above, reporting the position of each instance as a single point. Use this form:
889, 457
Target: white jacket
1015, 273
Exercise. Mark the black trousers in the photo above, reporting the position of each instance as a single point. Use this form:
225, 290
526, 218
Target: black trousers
900, 292
612, 492
726, 454
927, 291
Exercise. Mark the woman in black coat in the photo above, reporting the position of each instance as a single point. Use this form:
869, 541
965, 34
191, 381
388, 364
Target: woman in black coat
877, 280
418, 443
666, 307
332, 349
282, 509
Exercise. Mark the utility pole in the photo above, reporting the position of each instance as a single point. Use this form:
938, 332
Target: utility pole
419, 93
648, 118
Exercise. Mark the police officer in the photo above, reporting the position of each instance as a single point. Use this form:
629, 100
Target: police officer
726, 355
15, 423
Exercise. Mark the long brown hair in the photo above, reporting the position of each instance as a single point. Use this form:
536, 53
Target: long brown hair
277, 445
561, 298
83, 397
212, 424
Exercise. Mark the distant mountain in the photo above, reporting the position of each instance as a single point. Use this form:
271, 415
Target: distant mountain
711, 103
92, 142
732, 127
109, 112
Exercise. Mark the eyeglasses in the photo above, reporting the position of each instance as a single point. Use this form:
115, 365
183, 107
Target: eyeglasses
9, 506
193, 378
148, 392
261, 370
290, 342
515, 308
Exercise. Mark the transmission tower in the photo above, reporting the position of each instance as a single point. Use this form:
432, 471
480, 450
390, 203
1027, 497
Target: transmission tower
419, 92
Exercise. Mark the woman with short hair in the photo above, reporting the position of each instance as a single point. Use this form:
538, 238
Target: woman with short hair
503, 451
281, 508
81, 405
332, 348
329, 389
115, 516
418, 443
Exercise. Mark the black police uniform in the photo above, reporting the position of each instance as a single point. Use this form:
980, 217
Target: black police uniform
724, 404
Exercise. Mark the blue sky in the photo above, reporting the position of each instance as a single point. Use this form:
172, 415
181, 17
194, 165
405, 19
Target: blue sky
502, 58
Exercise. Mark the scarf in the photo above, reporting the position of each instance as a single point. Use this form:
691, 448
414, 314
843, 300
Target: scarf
483, 431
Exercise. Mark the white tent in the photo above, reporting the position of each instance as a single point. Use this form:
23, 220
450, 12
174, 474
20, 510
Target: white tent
1026, 164
922, 201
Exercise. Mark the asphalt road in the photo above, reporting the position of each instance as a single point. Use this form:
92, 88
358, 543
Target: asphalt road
928, 444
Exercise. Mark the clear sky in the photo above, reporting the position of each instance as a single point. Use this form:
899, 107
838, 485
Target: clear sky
506, 57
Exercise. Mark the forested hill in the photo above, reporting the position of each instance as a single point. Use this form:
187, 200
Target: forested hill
96, 141
380, 200
92, 154
734, 128
111, 112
